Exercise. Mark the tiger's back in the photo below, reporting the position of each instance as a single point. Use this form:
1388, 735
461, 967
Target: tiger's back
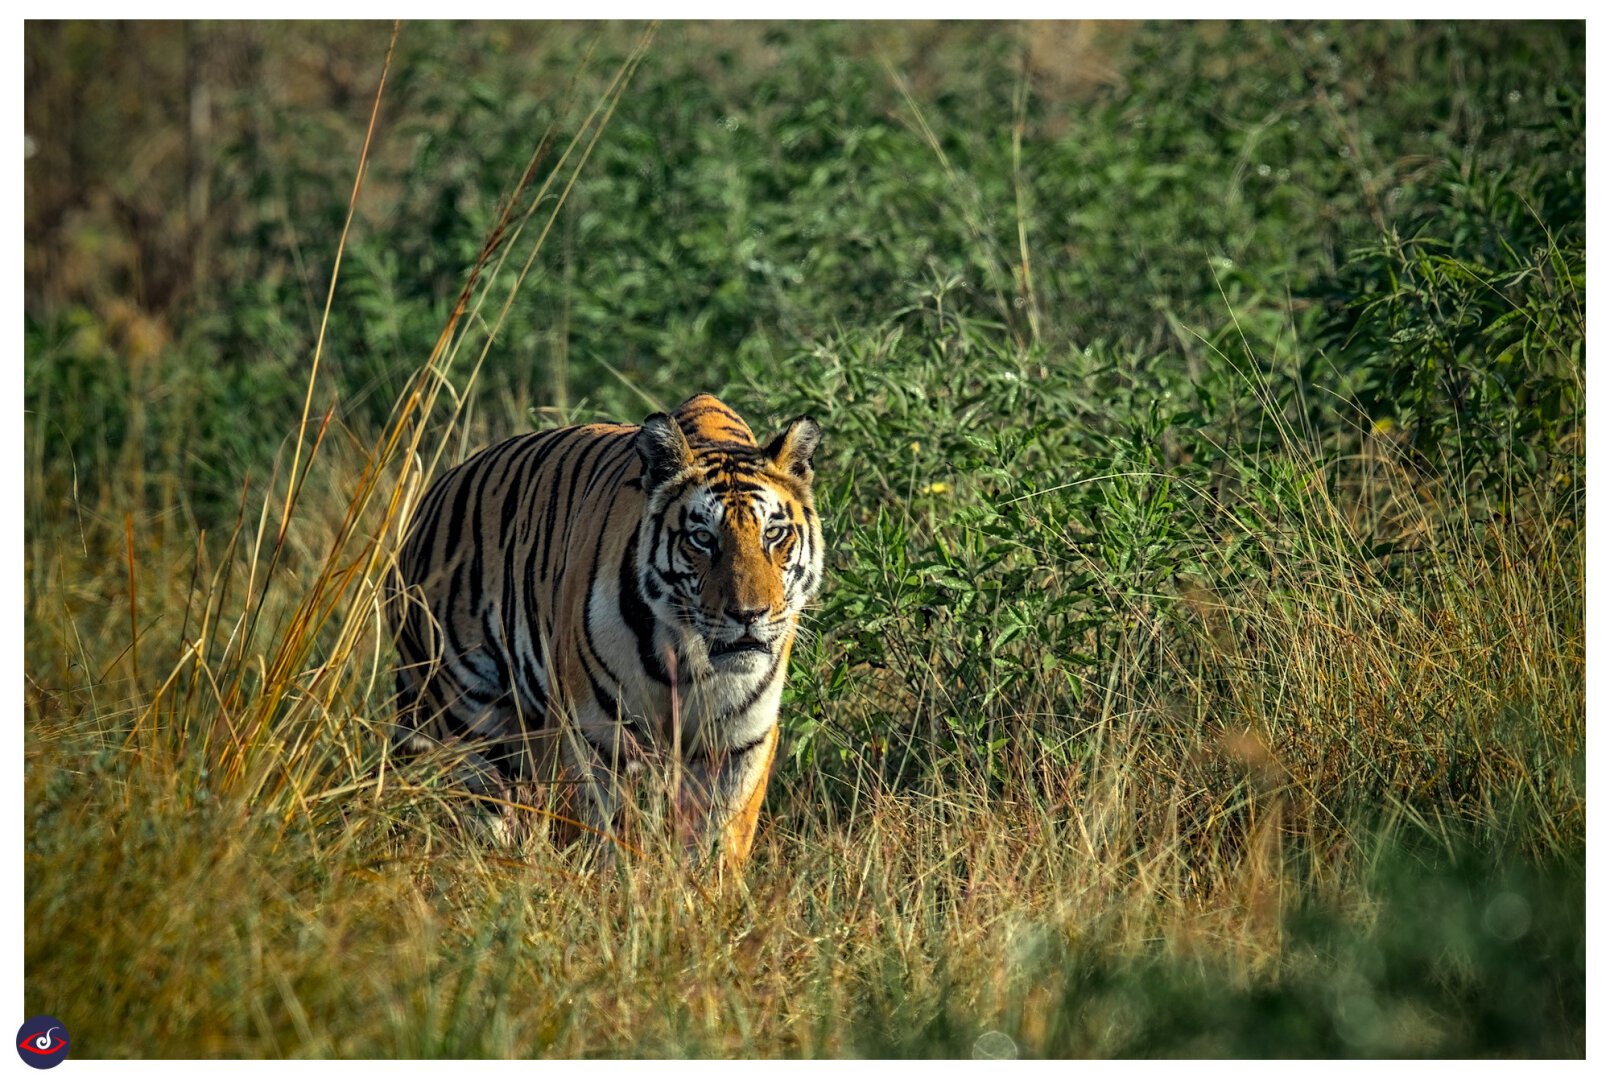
581, 601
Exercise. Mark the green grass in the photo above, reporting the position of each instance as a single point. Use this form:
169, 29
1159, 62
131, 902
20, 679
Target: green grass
1201, 669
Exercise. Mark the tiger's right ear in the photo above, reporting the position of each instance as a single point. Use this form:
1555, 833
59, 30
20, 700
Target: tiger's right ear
663, 448
792, 450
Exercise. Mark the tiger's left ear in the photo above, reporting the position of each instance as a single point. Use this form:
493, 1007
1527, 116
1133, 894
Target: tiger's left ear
792, 450
663, 449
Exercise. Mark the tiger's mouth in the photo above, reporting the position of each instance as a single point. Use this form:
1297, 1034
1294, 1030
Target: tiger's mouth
746, 643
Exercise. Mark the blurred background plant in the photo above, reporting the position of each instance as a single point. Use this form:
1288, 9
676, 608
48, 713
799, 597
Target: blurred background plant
1204, 474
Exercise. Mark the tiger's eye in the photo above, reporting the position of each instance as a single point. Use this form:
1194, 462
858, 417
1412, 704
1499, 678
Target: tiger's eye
775, 534
703, 538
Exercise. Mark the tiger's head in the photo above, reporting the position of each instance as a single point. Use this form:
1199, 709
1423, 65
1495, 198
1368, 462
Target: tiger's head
730, 548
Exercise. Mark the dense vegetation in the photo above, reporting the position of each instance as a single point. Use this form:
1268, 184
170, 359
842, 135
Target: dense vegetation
1201, 669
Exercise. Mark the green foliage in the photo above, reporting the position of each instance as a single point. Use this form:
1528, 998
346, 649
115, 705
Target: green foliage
1468, 318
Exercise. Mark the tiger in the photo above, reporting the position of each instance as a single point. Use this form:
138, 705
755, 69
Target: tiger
573, 606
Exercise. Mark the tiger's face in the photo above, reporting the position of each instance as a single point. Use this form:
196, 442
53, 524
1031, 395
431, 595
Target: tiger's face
730, 549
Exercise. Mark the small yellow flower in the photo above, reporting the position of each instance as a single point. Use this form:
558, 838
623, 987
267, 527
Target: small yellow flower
916, 447
1383, 425
937, 488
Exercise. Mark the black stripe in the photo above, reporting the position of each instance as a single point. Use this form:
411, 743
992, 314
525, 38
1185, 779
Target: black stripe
519, 599
536, 452
586, 622
536, 570
590, 452
578, 462
765, 684
537, 620
493, 645
606, 701
685, 419
546, 538
732, 457
736, 486
748, 746
672, 578
686, 482
639, 617
483, 468
480, 699
428, 522
612, 483
708, 753
456, 519
530, 688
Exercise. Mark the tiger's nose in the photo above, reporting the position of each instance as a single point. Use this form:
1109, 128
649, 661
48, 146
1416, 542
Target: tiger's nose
745, 616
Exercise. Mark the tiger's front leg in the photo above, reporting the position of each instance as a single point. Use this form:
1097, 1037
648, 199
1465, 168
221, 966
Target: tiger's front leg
718, 804
598, 790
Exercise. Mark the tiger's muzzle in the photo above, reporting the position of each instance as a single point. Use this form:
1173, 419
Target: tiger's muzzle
746, 633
